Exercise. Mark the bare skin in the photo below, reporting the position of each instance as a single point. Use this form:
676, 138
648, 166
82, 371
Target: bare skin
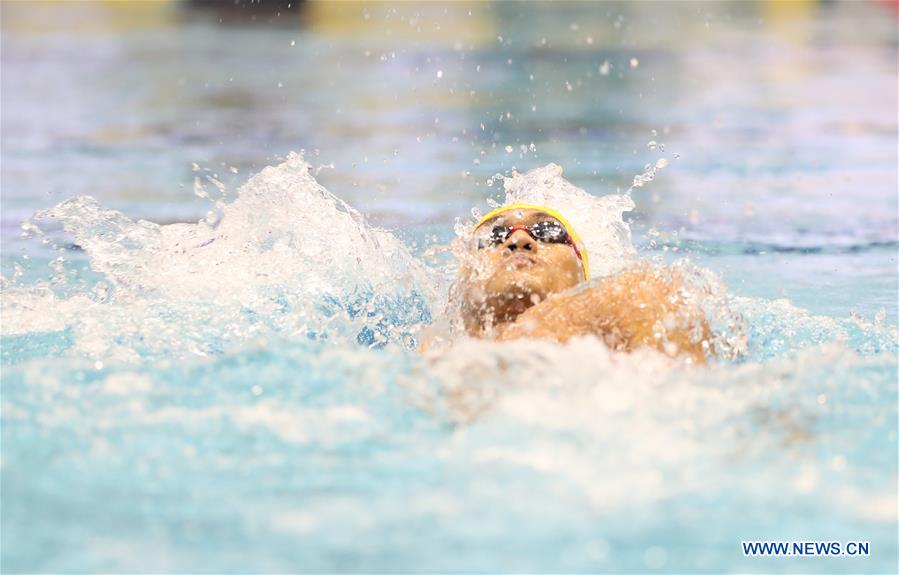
523, 288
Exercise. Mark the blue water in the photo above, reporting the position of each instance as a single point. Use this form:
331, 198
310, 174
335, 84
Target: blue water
231, 385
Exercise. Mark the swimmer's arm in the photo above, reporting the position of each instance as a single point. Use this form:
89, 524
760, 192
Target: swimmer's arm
626, 311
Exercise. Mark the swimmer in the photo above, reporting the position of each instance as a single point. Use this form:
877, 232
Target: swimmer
526, 276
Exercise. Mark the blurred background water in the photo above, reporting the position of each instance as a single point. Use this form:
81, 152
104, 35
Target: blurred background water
779, 127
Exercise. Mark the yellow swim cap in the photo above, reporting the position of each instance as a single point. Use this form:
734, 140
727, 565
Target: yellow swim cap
576, 240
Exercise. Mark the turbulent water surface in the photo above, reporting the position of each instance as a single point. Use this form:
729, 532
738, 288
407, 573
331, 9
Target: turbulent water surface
212, 366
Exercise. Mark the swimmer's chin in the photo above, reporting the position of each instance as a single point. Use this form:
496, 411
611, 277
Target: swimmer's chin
516, 284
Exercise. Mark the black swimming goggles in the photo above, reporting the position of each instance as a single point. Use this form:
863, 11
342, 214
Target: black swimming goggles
547, 232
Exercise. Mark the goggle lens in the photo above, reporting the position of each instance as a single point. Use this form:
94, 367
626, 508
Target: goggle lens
548, 232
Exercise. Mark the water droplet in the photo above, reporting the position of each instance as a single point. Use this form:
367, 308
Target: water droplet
634, 62
199, 190
604, 68
439, 73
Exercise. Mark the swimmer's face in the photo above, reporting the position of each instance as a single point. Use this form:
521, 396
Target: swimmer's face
519, 270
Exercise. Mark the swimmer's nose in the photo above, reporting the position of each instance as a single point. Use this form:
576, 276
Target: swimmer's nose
520, 240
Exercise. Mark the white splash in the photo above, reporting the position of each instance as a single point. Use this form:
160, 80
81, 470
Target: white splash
286, 258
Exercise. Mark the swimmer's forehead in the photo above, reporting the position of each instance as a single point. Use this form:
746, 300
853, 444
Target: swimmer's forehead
519, 216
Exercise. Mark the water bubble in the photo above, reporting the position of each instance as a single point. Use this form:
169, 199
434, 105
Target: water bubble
293, 42
661, 163
634, 62
439, 74
652, 144
508, 149
604, 68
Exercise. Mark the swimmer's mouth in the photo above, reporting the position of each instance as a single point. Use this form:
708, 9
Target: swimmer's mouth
520, 260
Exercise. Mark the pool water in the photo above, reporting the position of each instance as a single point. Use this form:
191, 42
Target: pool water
223, 235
